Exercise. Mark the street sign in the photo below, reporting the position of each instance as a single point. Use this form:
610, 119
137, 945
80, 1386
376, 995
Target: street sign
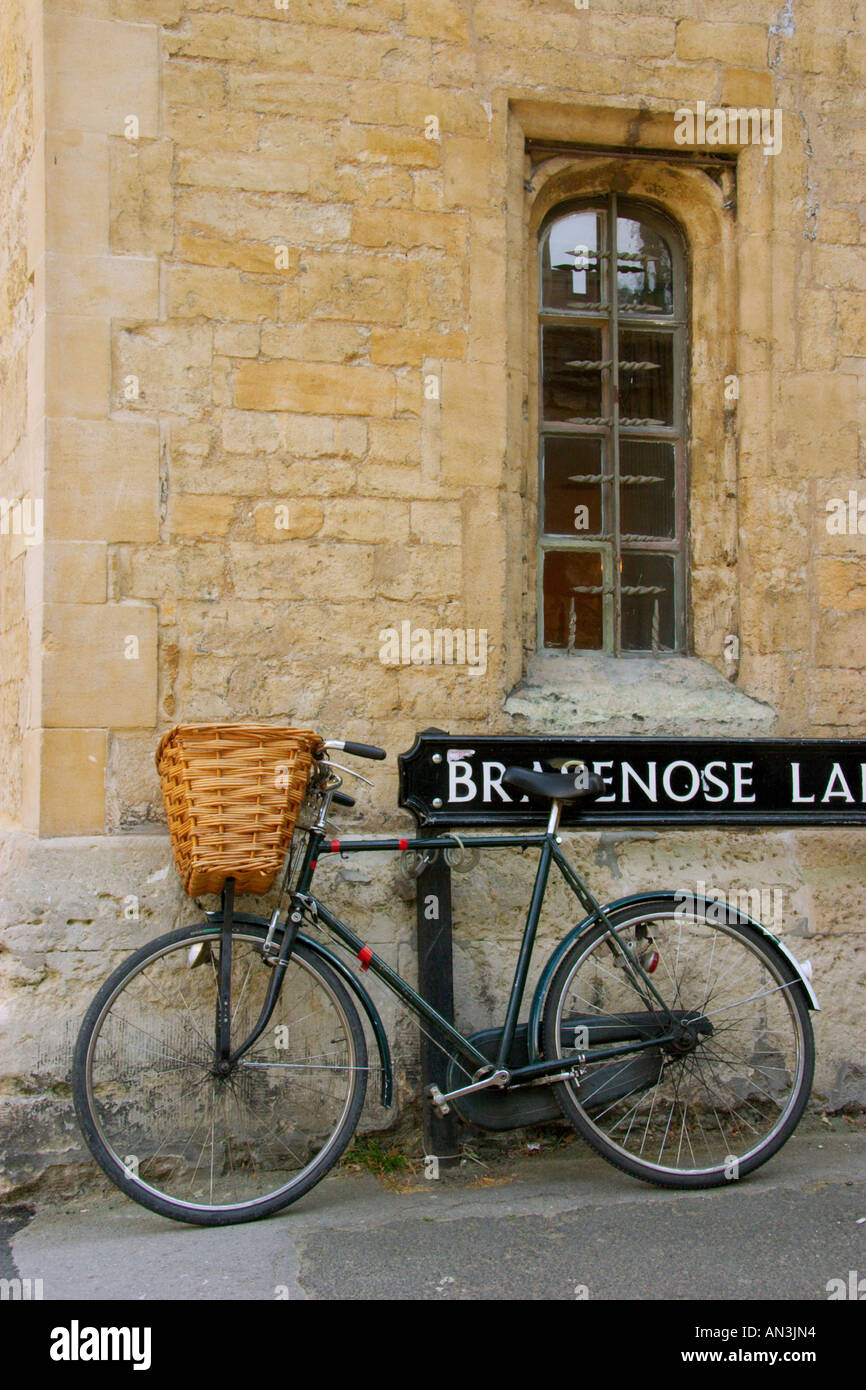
448, 780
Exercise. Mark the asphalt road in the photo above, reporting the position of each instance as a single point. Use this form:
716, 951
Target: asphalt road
561, 1224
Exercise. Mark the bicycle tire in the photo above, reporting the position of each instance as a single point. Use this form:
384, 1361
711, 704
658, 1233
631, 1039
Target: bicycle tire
138, 1080
757, 1073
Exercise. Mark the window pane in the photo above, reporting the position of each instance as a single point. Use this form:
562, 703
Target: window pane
570, 619
647, 508
655, 573
646, 377
572, 272
572, 507
644, 273
569, 392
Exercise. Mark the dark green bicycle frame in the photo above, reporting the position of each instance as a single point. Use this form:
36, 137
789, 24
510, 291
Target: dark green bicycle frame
304, 901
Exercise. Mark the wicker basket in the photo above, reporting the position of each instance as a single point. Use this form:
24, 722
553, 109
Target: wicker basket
232, 794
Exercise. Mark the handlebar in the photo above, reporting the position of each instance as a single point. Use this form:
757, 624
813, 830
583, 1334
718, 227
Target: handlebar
360, 750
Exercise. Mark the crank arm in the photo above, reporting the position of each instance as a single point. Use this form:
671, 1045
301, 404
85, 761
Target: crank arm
497, 1078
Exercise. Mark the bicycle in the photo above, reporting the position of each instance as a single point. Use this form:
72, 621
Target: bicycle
221, 1070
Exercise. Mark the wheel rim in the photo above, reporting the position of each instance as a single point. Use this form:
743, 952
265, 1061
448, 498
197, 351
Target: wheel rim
719, 1097
209, 1143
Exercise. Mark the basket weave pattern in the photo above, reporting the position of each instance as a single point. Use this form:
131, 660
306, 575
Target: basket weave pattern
232, 793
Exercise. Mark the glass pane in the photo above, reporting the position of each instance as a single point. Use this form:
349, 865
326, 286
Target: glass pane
646, 377
649, 615
644, 274
572, 271
647, 508
573, 619
572, 501
570, 392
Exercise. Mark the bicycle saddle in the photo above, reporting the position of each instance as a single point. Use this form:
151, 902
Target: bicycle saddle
555, 786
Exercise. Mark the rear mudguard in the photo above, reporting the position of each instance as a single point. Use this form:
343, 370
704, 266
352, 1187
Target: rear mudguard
536, 1012
340, 968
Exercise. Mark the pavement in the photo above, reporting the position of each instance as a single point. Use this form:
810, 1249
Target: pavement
556, 1224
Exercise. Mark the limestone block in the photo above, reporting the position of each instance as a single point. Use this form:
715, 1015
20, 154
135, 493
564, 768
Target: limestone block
254, 173
741, 87
201, 515
214, 36
103, 286
75, 572
841, 583
140, 193
301, 570
205, 291
100, 72
365, 519
435, 523
443, 20
840, 266
815, 418
99, 666
72, 782
396, 442
250, 432
236, 339
195, 568
77, 367
199, 129
76, 160
103, 480
851, 310
171, 364
317, 388
296, 518
417, 573
259, 217
408, 230
257, 258
380, 145
165, 12
378, 103
466, 167
315, 342
401, 347
473, 423
737, 45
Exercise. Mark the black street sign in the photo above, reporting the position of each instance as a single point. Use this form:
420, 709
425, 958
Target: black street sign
449, 780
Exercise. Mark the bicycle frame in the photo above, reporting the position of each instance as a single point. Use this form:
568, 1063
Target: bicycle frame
548, 842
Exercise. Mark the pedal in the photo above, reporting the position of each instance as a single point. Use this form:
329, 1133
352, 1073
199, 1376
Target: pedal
438, 1102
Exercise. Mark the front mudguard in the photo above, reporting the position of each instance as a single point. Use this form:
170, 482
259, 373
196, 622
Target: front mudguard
536, 1012
340, 968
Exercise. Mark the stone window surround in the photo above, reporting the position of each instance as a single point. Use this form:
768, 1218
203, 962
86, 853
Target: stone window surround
640, 694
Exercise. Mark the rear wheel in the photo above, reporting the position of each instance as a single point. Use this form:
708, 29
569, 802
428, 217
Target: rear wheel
191, 1144
727, 1092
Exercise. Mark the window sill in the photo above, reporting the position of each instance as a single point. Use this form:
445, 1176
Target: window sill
673, 696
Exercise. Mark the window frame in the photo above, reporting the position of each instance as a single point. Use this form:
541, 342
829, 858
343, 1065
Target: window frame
611, 321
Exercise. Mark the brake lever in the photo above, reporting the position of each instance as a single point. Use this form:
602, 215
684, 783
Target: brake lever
326, 762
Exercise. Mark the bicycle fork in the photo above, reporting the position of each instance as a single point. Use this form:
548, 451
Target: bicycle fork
225, 1058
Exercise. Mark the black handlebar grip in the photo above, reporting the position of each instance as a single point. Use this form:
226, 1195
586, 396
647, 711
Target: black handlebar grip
365, 750
342, 799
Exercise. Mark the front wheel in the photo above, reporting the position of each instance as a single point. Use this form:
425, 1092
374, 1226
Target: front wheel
187, 1142
724, 1094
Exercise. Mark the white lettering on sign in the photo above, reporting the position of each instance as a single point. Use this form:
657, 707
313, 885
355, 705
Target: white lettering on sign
634, 783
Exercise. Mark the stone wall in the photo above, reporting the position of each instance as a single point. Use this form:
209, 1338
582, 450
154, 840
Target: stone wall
278, 264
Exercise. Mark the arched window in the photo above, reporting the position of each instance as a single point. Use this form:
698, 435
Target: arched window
612, 483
